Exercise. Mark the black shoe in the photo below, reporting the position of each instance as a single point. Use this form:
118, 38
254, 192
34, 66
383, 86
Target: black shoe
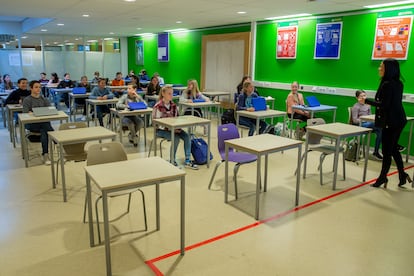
377, 156
379, 182
403, 180
400, 148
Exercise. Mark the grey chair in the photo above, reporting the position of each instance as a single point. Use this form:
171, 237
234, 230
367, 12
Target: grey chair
107, 153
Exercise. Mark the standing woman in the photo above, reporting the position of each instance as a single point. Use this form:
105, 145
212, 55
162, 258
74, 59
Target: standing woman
390, 116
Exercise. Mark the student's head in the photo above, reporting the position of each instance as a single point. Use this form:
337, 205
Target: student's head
134, 80
118, 75
166, 93
35, 87
6, 77
22, 83
101, 83
96, 74
248, 88
294, 87
143, 72
156, 74
389, 69
154, 81
43, 75
131, 73
361, 96
54, 77
84, 79
132, 88
66, 76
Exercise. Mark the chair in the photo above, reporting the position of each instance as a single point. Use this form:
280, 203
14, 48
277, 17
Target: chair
76, 102
31, 137
226, 132
107, 153
296, 122
350, 121
314, 144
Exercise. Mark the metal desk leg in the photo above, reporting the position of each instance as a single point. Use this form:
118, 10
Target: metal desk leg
298, 175
62, 166
182, 216
305, 154
52, 163
256, 216
172, 145
336, 157
106, 231
157, 204
265, 172
366, 156
90, 219
409, 141
226, 174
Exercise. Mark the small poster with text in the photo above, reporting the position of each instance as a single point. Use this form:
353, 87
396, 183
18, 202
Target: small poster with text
328, 40
287, 38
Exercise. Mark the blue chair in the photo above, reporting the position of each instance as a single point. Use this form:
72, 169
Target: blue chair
226, 132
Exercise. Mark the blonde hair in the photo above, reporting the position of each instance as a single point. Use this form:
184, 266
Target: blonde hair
164, 89
195, 90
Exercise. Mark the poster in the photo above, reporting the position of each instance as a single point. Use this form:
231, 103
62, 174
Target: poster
328, 40
139, 52
392, 37
287, 38
163, 47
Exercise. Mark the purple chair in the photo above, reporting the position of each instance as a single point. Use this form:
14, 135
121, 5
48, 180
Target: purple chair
226, 132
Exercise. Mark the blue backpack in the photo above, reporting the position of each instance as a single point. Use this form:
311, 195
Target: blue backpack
199, 150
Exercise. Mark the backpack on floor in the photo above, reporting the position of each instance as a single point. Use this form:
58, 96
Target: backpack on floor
228, 117
270, 129
351, 150
199, 150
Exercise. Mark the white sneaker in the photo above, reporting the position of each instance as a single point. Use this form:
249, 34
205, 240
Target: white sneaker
46, 159
83, 118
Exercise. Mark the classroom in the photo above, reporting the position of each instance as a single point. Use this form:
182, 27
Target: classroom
291, 209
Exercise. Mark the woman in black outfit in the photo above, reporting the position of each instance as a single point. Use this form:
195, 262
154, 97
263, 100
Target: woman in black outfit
390, 116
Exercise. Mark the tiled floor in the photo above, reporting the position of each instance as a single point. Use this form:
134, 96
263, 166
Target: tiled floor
364, 231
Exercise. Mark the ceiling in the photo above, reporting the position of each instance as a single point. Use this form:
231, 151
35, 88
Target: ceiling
118, 18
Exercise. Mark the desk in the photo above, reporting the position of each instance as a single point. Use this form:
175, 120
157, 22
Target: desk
29, 118
269, 113
72, 98
213, 94
11, 109
156, 97
117, 87
95, 103
153, 171
201, 105
262, 145
371, 118
337, 131
312, 111
73, 136
123, 113
173, 123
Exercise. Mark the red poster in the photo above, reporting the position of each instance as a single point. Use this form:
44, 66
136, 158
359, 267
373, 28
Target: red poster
287, 42
392, 37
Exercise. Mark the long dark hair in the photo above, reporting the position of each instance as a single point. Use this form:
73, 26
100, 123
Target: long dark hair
391, 70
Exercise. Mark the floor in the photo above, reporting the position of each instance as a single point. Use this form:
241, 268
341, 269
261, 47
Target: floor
355, 230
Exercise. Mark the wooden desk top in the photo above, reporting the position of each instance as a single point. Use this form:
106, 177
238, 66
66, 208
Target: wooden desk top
180, 121
124, 173
126, 112
338, 129
371, 118
14, 107
322, 107
260, 144
76, 135
30, 118
199, 104
95, 101
216, 93
262, 113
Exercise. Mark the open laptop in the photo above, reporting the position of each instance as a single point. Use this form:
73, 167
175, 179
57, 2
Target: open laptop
44, 111
312, 101
259, 103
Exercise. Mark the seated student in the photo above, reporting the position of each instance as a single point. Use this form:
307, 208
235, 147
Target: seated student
296, 98
66, 83
82, 101
101, 92
17, 96
240, 87
143, 76
153, 89
7, 84
134, 123
135, 80
192, 93
96, 77
35, 99
118, 81
165, 107
360, 109
54, 80
43, 79
160, 79
244, 102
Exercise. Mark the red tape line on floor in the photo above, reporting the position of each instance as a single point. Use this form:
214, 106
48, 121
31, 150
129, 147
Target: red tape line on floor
157, 272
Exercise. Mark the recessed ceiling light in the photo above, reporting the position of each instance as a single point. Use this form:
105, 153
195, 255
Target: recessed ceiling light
85, 15
288, 16
60, 24
55, 42
130, 0
179, 30
145, 34
241, 12
111, 33
76, 39
47, 44
389, 4
139, 28
108, 38
24, 37
43, 30
92, 40
179, 22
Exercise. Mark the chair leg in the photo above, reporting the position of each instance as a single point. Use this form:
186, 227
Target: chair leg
214, 173
84, 208
144, 208
97, 219
129, 202
343, 164
321, 158
150, 148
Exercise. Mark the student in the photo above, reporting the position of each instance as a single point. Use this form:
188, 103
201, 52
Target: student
82, 101
16, 97
143, 76
165, 107
96, 77
66, 83
54, 80
118, 81
7, 83
192, 93
135, 80
43, 79
153, 89
35, 99
245, 103
296, 98
360, 109
160, 79
134, 123
240, 87
101, 92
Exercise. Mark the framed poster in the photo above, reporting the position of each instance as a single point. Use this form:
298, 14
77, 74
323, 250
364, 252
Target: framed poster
392, 37
163, 47
139, 52
287, 40
328, 40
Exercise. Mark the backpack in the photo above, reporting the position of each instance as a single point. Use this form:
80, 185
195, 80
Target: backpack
228, 117
270, 129
199, 150
351, 150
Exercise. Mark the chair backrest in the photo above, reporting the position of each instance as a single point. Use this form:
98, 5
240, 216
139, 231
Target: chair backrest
314, 139
105, 153
350, 121
226, 132
74, 149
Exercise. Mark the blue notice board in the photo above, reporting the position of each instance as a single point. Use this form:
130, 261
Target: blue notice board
163, 47
328, 40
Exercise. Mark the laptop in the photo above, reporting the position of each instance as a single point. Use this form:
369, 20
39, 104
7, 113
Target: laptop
259, 103
137, 105
44, 111
312, 101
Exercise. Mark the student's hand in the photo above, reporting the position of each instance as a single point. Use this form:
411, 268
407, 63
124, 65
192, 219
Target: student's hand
250, 109
105, 97
189, 101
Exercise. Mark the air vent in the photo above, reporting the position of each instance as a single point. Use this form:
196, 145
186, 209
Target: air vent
4, 38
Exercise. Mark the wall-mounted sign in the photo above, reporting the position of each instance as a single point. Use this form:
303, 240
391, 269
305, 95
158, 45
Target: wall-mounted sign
139, 52
287, 41
392, 37
328, 40
163, 47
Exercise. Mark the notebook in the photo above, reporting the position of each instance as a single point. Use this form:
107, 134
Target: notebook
137, 105
312, 101
44, 111
198, 101
259, 103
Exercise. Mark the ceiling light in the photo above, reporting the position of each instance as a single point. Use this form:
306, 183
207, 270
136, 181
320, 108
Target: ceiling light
47, 44
389, 4
60, 24
108, 38
43, 30
55, 42
241, 12
179, 30
85, 15
76, 39
111, 33
288, 16
179, 22
145, 34
24, 37
139, 28
130, 0
92, 41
